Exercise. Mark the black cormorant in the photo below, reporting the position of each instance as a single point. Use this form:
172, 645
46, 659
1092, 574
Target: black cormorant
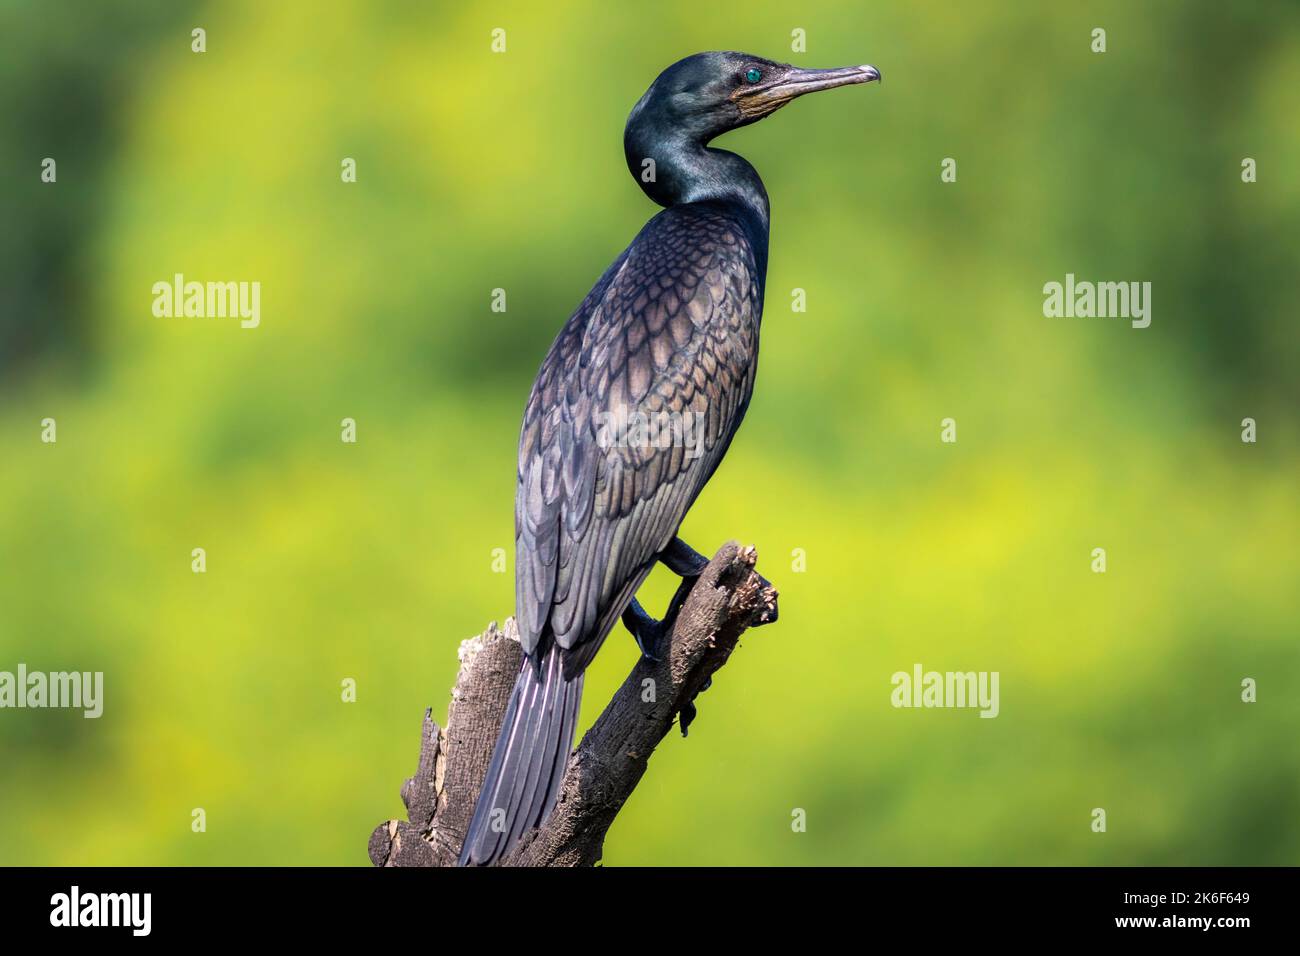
665, 344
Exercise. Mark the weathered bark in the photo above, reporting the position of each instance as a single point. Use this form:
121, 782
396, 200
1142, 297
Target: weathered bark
611, 759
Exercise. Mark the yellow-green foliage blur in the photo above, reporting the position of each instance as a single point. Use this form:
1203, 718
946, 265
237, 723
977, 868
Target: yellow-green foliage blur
479, 170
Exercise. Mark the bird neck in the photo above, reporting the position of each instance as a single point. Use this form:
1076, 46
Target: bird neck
674, 168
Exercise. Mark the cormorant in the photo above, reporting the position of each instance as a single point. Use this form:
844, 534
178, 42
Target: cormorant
667, 338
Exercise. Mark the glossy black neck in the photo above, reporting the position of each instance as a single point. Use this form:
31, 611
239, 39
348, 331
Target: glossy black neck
686, 170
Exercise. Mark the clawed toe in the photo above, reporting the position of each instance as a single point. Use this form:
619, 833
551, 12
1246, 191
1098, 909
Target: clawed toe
689, 710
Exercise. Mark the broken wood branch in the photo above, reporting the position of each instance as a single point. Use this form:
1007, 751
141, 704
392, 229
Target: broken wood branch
729, 597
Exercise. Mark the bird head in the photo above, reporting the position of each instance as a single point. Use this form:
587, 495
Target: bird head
707, 94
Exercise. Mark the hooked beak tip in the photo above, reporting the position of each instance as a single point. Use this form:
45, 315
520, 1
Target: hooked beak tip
798, 82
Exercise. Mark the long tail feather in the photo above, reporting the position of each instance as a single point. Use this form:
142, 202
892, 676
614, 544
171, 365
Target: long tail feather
523, 777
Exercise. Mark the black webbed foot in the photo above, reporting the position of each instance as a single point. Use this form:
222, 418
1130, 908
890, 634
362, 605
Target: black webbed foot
648, 633
651, 635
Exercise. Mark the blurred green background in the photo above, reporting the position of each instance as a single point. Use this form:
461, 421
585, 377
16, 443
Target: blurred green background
479, 170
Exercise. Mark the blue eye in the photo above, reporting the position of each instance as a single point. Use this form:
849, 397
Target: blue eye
753, 76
